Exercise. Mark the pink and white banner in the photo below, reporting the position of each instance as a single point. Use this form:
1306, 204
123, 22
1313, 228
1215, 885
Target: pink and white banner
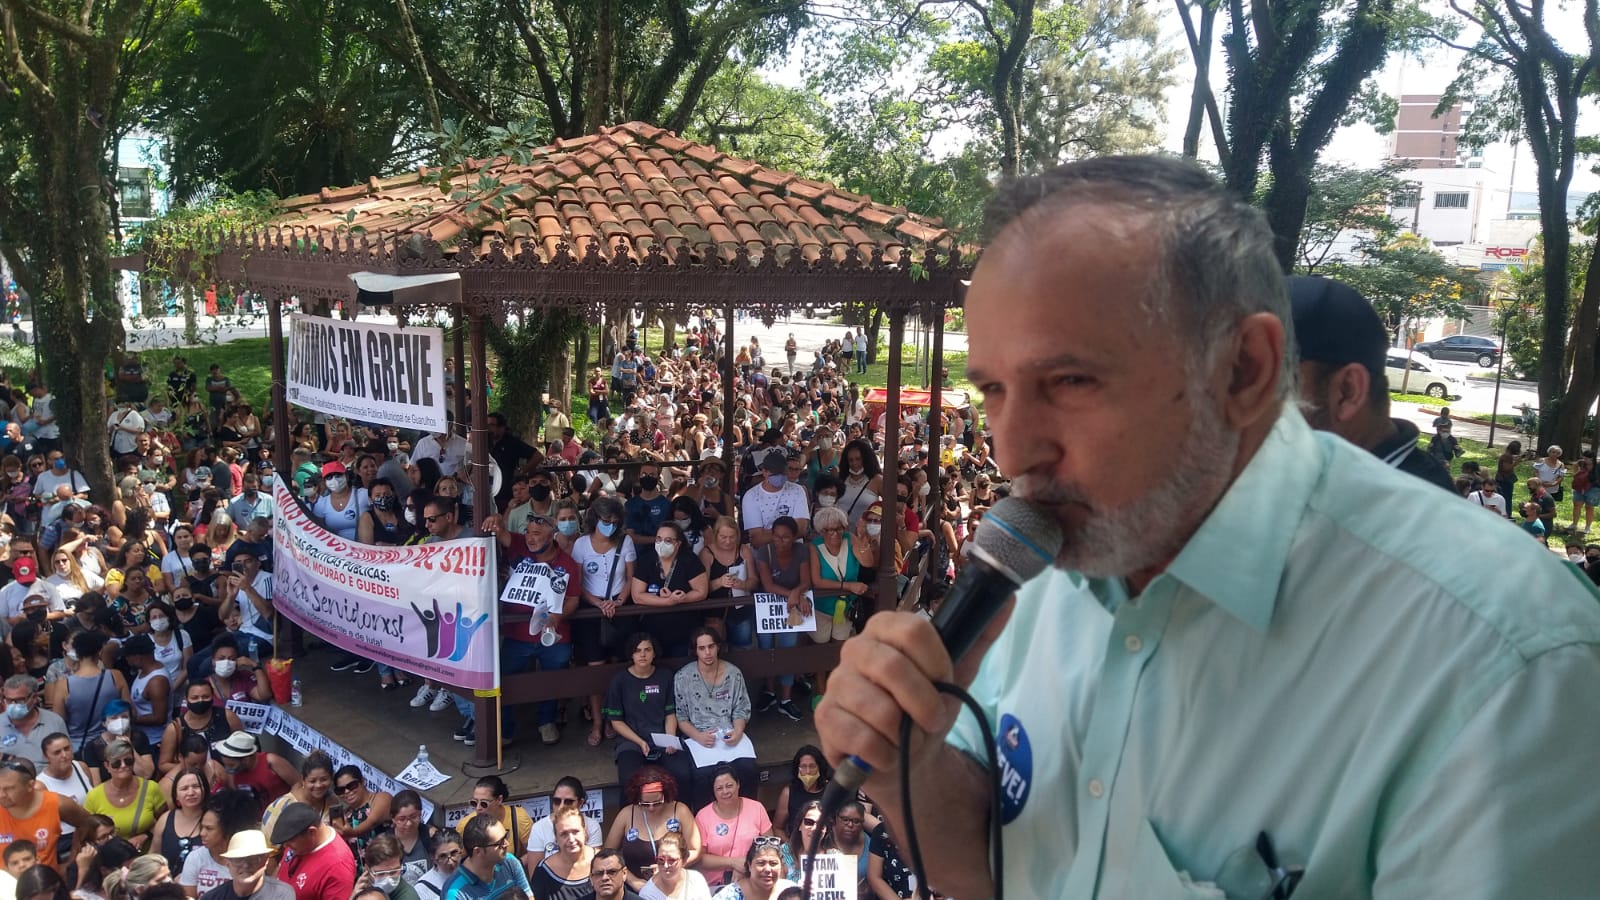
427, 609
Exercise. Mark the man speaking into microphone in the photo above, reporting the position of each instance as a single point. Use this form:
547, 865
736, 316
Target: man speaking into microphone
1263, 663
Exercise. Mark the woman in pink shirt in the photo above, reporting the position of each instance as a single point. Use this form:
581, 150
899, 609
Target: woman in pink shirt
728, 825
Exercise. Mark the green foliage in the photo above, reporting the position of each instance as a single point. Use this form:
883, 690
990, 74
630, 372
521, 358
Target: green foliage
1344, 201
1407, 281
750, 117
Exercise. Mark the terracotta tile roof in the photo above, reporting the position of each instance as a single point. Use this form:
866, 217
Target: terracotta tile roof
633, 183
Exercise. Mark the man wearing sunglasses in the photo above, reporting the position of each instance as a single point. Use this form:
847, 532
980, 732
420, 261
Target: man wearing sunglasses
246, 861
318, 864
607, 877
30, 812
487, 872
488, 801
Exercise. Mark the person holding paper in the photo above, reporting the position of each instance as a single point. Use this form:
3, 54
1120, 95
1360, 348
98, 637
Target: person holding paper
713, 710
639, 704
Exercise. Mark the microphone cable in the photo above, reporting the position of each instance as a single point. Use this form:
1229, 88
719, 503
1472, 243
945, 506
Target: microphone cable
997, 868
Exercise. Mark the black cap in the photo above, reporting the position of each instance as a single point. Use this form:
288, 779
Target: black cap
775, 462
293, 822
1334, 324
138, 645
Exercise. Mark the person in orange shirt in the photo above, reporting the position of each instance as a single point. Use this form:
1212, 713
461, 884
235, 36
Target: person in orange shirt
28, 811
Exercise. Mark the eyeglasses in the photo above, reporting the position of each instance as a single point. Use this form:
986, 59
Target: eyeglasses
480, 804
347, 787
667, 860
11, 765
563, 801
540, 520
386, 873
652, 804
809, 823
447, 856
605, 873
500, 844
125, 762
768, 841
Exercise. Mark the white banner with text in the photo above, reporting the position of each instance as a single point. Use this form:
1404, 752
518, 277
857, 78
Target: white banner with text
366, 372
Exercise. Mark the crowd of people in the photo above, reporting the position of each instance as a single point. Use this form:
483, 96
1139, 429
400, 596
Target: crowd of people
132, 624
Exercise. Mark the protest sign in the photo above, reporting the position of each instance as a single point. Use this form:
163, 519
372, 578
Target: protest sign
773, 615
594, 807
833, 877
427, 609
367, 372
536, 584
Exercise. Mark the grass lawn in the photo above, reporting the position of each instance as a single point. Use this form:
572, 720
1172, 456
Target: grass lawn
1489, 460
245, 362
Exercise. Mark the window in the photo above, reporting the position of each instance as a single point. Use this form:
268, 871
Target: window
1451, 200
1405, 198
133, 192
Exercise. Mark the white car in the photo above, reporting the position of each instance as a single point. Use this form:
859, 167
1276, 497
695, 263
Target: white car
1426, 377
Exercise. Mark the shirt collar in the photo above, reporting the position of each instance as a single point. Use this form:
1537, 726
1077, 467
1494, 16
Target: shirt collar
1259, 514
1393, 452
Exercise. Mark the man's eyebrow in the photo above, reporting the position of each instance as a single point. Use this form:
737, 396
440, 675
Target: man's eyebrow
1059, 361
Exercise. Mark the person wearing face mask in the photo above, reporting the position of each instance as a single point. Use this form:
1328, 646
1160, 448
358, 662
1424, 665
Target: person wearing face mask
687, 516
568, 524
707, 490
645, 511
151, 691
202, 577
200, 715
197, 620
823, 457
267, 776
671, 576
341, 508
26, 724
247, 858
118, 728
546, 641
384, 524
173, 646
251, 504
775, 497
81, 697
235, 676
384, 869
607, 558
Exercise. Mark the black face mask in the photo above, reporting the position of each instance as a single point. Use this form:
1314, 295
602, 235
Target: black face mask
540, 492
37, 615
183, 603
649, 483
200, 707
384, 503
202, 565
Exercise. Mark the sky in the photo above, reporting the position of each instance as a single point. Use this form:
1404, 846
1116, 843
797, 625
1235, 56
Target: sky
1362, 145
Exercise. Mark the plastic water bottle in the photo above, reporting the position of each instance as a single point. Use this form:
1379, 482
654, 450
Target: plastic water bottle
294, 693
422, 753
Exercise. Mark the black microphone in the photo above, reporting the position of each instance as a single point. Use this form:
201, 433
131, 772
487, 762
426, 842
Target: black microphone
1015, 541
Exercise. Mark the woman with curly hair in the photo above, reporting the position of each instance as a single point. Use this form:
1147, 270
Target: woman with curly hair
652, 812
809, 774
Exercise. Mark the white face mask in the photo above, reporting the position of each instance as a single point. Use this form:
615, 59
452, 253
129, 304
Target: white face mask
1575, 557
922, 489
119, 725
224, 667
336, 483
160, 626
826, 499
665, 549
874, 528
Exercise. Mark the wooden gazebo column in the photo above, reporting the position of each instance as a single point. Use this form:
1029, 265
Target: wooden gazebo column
282, 462
733, 478
935, 397
487, 752
887, 595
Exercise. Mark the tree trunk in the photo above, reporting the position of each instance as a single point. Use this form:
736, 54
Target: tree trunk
1557, 284
581, 370
1584, 381
872, 335
191, 321
1285, 207
561, 377
1200, 45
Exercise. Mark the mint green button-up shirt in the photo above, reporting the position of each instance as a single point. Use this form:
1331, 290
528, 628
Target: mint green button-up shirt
1400, 689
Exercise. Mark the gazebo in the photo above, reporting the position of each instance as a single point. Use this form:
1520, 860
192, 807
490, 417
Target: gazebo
632, 214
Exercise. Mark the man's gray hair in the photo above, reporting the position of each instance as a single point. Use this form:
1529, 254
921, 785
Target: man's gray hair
22, 682
1216, 263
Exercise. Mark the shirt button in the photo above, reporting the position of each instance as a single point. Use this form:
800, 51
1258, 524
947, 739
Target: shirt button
1132, 643
1096, 789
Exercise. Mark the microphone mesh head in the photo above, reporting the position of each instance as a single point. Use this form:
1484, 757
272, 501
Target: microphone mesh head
1018, 538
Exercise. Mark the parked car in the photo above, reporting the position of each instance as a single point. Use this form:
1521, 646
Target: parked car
1424, 379
1469, 347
